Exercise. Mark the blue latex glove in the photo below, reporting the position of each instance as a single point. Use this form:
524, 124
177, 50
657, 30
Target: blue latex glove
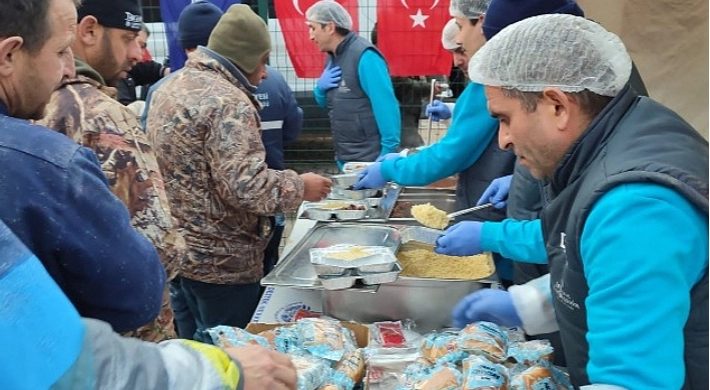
487, 304
330, 78
388, 156
437, 110
462, 239
371, 177
497, 192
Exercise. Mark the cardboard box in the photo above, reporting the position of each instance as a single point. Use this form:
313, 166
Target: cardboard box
362, 332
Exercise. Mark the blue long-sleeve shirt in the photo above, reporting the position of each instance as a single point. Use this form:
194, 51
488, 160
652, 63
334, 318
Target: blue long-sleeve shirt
472, 129
643, 247
375, 81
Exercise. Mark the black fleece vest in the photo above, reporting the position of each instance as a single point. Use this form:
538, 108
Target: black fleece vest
633, 140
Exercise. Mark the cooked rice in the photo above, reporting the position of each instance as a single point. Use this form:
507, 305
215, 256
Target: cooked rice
424, 263
352, 253
430, 216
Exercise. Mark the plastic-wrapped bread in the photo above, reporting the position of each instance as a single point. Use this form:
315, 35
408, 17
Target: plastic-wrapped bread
348, 372
480, 373
486, 339
533, 378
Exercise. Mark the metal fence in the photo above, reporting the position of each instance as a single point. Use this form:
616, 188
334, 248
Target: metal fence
314, 149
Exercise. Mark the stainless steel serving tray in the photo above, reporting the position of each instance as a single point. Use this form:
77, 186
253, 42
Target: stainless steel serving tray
296, 270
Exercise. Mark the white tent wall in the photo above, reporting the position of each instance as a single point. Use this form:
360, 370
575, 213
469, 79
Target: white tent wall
668, 40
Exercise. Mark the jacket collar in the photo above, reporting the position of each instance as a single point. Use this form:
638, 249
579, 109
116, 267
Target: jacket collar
592, 141
84, 69
213, 60
343, 45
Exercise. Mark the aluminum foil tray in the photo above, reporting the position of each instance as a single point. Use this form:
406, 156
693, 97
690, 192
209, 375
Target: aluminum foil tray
328, 210
345, 181
350, 278
373, 256
355, 166
420, 234
296, 270
339, 193
381, 277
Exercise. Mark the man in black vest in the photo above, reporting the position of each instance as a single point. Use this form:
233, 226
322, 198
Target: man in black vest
625, 226
355, 87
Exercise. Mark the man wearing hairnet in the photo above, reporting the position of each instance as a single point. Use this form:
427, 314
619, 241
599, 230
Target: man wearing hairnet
625, 227
527, 193
469, 147
355, 87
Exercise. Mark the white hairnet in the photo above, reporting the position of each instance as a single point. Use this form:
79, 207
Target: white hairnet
555, 50
326, 11
469, 9
448, 35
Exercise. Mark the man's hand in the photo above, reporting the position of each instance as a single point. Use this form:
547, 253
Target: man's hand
437, 110
462, 239
497, 192
486, 305
316, 187
264, 369
330, 78
371, 177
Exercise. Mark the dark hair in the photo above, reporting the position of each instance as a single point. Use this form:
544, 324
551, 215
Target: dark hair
342, 31
590, 103
27, 19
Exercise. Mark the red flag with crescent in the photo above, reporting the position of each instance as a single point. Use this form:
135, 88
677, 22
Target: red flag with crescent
409, 36
308, 61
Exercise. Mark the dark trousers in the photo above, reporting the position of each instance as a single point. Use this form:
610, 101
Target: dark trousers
185, 323
219, 304
271, 253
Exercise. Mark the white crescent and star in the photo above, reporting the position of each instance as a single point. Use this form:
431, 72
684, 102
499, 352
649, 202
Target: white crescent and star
419, 18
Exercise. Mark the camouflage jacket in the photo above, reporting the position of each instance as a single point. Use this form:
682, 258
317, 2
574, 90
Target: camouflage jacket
85, 110
204, 124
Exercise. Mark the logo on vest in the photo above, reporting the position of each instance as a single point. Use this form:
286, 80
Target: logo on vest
564, 297
133, 22
562, 242
343, 87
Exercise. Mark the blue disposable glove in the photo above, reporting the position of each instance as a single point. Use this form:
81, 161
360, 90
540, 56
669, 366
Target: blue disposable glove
371, 177
487, 304
330, 78
437, 110
497, 192
462, 239
388, 156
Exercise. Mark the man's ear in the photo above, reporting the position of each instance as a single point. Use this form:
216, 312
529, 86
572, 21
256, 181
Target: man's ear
9, 50
560, 105
88, 30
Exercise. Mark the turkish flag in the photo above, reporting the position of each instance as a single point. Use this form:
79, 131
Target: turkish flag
409, 36
307, 59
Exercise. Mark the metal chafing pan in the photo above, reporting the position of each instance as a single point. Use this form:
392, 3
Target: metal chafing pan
296, 270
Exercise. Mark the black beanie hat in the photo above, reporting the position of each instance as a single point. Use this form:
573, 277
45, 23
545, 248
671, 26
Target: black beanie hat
502, 13
196, 23
123, 14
